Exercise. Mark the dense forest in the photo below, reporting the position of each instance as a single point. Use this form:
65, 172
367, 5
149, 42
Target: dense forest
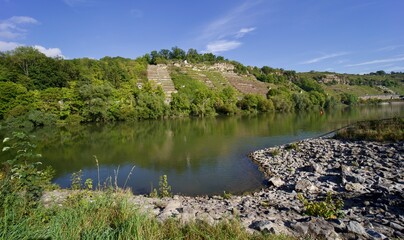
37, 90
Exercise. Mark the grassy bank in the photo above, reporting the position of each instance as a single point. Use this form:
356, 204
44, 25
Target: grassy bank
107, 213
374, 130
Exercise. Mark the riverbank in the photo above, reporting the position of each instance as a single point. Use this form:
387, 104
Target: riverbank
367, 176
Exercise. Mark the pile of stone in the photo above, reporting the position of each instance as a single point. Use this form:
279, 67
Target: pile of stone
367, 176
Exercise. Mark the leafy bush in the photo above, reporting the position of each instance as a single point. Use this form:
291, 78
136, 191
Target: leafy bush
22, 182
329, 208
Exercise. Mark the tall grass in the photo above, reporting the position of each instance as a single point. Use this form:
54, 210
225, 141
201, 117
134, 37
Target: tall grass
110, 215
374, 130
86, 214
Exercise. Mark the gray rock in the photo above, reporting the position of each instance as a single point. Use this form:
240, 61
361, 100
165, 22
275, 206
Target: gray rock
305, 186
397, 226
276, 181
375, 235
357, 228
354, 187
317, 168
320, 228
301, 228
269, 227
339, 225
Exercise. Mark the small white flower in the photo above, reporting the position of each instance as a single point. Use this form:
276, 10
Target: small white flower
5, 149
6, 139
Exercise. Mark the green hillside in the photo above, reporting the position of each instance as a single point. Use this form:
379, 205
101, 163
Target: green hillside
36, 90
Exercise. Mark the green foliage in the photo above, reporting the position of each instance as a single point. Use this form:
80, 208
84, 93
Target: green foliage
348, 99
282, 104
255, 103
329, 208
21, 181
301, 101
227, 195
374, 130
107, 215
292, 146
76, 180
37, 91
164, 187
9, 92
309, 85
275, 152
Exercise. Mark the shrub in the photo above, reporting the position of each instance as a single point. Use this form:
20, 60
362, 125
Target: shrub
329, 208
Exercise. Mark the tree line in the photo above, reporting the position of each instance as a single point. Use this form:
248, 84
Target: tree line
37, 90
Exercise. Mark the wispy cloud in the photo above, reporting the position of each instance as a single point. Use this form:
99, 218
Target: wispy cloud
389, 48
13, 27
244, 31
225, 32
328, 56
222, 46
386, 60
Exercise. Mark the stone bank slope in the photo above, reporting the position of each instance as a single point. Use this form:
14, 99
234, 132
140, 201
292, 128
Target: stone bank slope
368, 176
160, 76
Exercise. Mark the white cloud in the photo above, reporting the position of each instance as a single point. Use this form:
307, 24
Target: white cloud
244, 31
222, 46
319, 59
12, 28
50, 52
8, 46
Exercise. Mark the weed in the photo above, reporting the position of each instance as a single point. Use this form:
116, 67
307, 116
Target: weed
76, 180
227, 195
329, 208
88, 184
164, 188
275, 152
292, 146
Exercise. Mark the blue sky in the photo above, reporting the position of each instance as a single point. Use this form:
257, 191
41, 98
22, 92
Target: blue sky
353, 36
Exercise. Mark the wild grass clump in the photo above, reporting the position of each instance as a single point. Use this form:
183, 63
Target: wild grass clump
374, 130
275, 152
292, 146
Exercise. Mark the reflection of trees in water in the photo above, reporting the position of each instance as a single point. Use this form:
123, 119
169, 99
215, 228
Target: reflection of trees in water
182, 144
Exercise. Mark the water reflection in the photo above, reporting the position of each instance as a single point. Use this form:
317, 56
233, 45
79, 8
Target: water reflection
200, 156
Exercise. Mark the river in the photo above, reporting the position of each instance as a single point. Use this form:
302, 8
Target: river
199, 156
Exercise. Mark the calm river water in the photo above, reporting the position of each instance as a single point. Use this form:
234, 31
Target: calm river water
199, 156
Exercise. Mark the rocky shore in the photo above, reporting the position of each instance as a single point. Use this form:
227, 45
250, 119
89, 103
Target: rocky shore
367, 176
